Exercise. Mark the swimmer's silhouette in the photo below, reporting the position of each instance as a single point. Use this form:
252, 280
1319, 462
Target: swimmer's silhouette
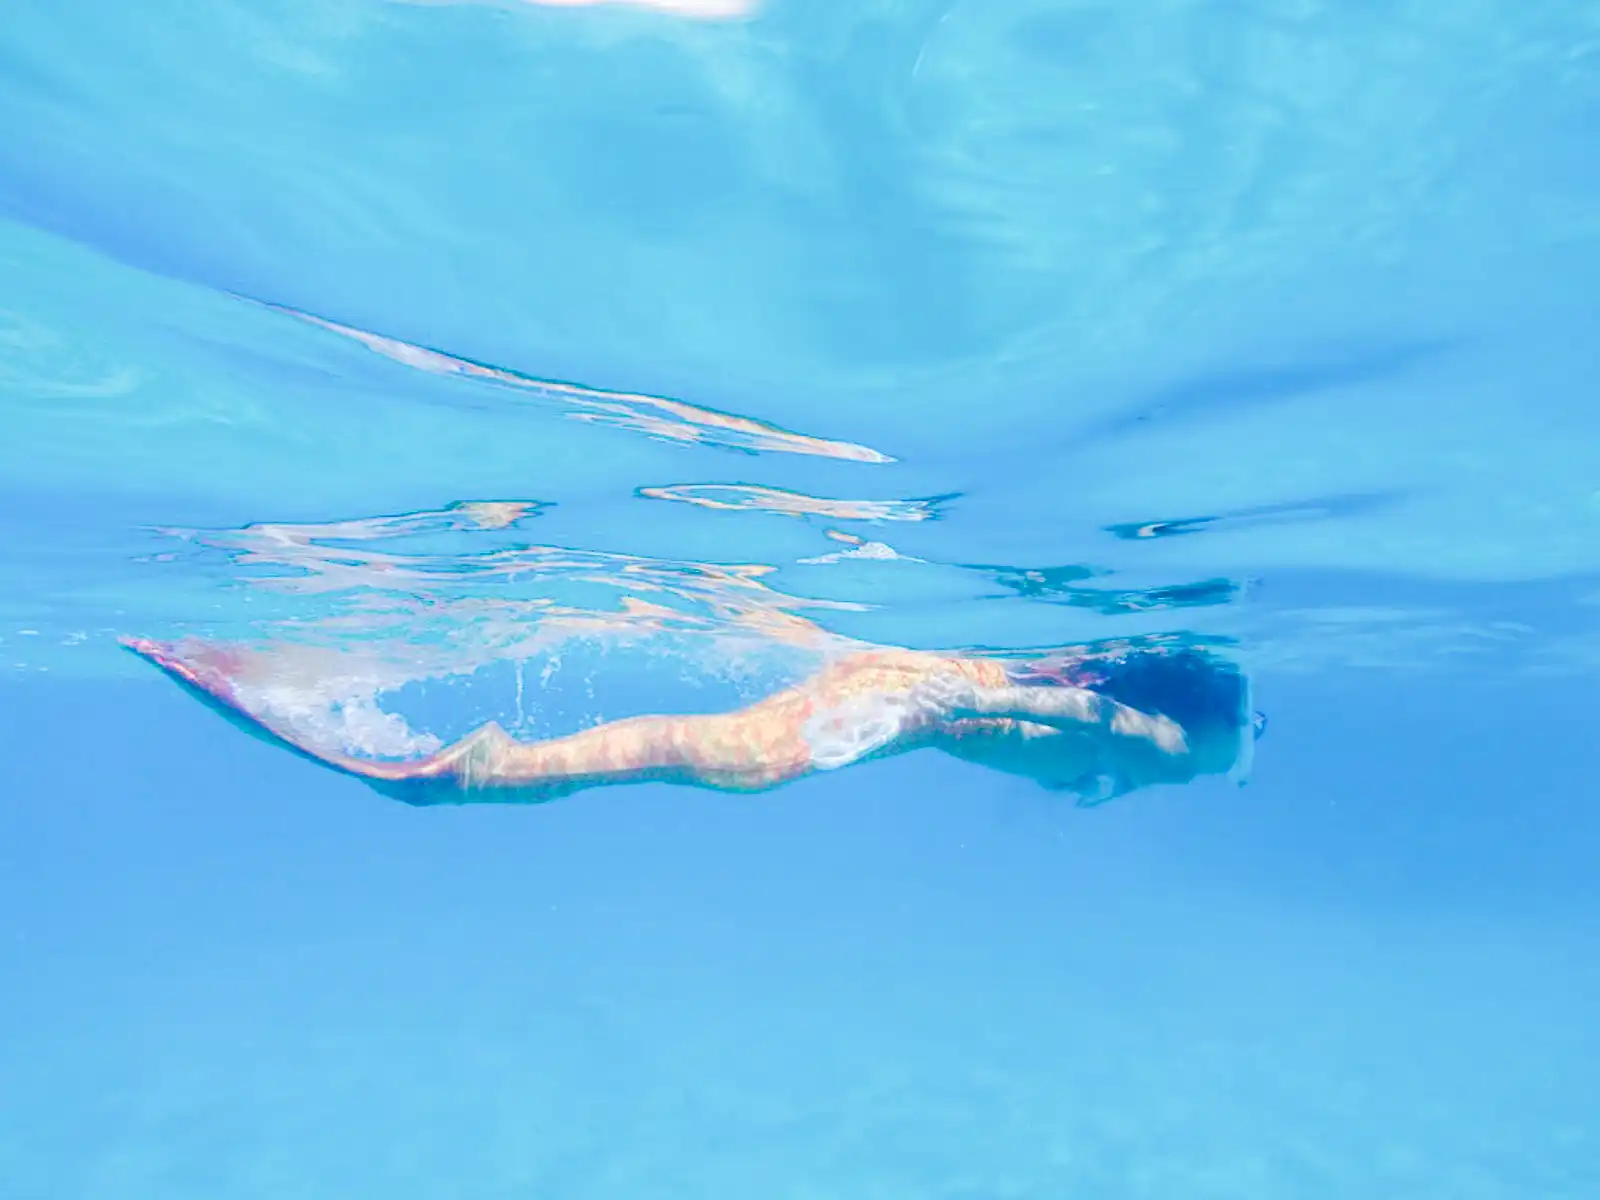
1098, 725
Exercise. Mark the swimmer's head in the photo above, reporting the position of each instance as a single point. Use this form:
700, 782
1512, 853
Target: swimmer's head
1208, 697
1192, 688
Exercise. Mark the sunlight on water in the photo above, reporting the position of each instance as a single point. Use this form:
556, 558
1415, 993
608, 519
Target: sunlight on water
448, 389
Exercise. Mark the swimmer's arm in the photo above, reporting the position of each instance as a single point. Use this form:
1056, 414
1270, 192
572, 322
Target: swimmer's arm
1072, 710
1137, 747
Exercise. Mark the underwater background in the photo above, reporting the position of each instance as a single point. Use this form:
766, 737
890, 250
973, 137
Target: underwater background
551, 363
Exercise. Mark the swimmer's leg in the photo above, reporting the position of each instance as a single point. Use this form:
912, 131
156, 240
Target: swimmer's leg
205, 672
725, 751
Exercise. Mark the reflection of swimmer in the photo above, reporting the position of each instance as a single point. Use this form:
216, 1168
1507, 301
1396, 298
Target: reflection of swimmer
1095, 725
705, 10
700, 10
493, 514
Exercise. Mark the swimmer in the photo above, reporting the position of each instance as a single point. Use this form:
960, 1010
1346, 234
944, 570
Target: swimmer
1097, 725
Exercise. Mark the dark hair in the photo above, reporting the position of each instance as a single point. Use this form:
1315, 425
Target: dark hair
1192, 688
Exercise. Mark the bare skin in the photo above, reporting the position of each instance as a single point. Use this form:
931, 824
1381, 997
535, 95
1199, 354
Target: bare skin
866, 705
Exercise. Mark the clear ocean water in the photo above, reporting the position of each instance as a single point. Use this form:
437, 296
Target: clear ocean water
555, 363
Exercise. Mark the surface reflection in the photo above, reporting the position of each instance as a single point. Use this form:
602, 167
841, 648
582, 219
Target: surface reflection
1068, 585
699, 10
656, 416
739, 497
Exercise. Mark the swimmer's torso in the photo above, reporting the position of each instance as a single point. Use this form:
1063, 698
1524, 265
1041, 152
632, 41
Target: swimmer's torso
849, 710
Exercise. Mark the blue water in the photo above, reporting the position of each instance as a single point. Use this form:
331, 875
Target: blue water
552, 364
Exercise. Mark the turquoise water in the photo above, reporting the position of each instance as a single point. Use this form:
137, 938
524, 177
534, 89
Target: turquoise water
553, 364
